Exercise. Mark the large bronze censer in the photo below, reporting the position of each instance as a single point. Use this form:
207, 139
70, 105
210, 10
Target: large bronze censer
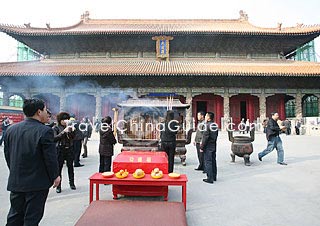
241, 146
140, 122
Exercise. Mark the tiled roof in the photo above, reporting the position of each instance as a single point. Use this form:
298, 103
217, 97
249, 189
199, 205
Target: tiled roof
150, 27
94, 67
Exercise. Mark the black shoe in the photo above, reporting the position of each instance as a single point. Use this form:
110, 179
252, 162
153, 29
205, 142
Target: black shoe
78, 165
283, 163
84, 156
204, 172
73, 187
260, 158
198, 169
208, 181
214, 179
58, 189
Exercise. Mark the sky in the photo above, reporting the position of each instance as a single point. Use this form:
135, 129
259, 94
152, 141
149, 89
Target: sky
60, 13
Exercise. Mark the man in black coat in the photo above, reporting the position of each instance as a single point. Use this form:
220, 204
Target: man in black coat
86, 128
77, 141
32, 161
274, 140
209, 147
168, 132
107, 141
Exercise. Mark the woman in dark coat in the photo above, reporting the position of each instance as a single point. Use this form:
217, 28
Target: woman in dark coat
107, 141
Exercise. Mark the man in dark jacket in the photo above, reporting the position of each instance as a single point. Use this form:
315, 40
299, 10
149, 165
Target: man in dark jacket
77, 141
63, 136
32, 161
274, 140
209, 147
107, 141
168, 138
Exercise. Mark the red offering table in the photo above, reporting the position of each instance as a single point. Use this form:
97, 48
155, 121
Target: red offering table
147, 181
147, 161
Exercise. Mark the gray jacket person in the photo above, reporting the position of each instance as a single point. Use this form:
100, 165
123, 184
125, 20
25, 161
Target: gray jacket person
197, 141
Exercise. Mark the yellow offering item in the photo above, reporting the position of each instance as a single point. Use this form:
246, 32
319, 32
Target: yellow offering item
122, 174
174, 175
156, 173
139, 173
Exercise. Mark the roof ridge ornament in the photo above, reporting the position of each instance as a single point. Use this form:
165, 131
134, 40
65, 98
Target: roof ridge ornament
28, 25
85, 16
243, 16
279, 26
299, 25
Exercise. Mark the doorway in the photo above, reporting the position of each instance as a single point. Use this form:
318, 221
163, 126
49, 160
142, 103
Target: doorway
202, 106
243, 110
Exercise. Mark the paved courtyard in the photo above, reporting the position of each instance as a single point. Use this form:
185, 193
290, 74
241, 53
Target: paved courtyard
264, 193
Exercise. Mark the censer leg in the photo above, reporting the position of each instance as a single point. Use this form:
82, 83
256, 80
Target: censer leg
247, 160
233, 157
183, 160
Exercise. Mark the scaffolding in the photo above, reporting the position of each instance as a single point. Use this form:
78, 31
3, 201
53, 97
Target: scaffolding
24, 53
306, 52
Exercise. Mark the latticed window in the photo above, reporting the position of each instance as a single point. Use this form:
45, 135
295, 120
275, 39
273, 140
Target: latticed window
290, 108
16, 101
310, 106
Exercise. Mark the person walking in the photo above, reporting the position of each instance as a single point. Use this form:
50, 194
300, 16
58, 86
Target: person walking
287, 124
198, 139
31, 157
168, 137
63, 136
97, 125
297, 127
77, 141
264, 125
209, 147
247, 126
242, 126
274, 140
86, 129
4, 127
107, 141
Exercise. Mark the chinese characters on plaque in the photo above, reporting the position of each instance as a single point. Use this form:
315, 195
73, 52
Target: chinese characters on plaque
140, 159
163, 48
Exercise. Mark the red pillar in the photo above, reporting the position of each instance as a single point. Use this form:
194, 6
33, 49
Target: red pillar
250, 109
282, 110
218, 109
194, 111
